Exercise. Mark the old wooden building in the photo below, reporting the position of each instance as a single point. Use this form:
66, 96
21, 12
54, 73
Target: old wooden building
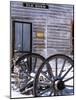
41, 28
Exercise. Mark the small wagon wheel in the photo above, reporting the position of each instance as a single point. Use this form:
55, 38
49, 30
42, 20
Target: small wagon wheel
58, 80
28, 65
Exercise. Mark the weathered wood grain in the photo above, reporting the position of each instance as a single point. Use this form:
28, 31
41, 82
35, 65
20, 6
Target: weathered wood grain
54, 22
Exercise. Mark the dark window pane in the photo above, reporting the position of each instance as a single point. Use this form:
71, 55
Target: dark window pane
26, 37
18, 36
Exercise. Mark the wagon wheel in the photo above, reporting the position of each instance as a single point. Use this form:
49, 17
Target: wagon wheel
58, 80
28, 65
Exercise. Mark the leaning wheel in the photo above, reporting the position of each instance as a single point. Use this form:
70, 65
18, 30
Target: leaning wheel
27, 66
56, 79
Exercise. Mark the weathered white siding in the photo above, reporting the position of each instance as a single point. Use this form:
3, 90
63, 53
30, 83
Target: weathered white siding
54, 22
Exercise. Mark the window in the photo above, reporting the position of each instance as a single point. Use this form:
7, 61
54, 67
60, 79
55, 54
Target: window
23, 35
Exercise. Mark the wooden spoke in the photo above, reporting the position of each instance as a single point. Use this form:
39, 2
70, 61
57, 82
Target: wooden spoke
62, 68
68, 79
35, 62
44, 91
69, 86
67, 72
56, 68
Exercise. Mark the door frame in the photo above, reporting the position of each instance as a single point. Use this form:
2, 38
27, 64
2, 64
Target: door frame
13, 36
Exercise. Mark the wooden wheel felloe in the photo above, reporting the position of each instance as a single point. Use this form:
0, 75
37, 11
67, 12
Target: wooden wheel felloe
56, 79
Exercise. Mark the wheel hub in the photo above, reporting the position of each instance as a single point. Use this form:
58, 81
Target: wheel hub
59, 85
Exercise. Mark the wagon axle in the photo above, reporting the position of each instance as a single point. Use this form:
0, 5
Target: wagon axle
59, 85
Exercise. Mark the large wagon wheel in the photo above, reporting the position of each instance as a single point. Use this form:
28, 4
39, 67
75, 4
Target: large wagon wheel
28, 65
58, 80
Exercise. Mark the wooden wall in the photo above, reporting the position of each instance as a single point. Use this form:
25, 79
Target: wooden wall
55, 22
